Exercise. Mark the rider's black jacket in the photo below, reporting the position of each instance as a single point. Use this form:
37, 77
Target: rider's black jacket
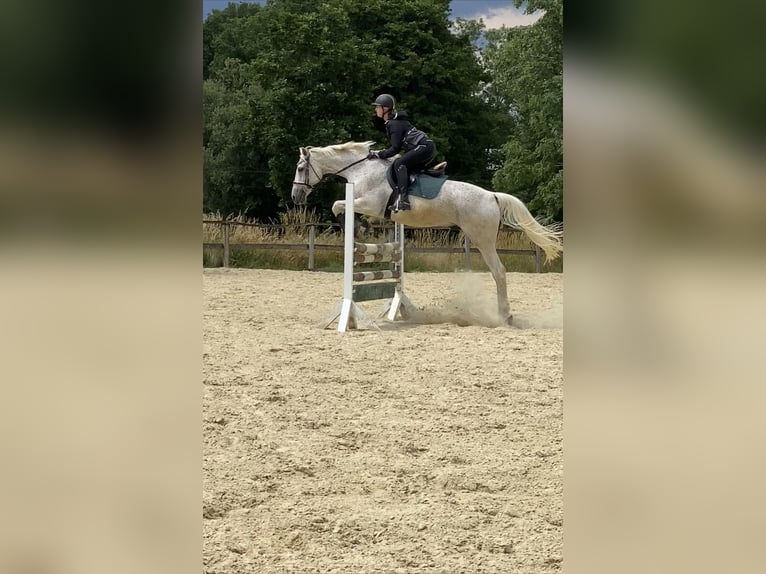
402, 135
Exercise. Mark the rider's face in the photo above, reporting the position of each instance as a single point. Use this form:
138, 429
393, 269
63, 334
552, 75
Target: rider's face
379, 111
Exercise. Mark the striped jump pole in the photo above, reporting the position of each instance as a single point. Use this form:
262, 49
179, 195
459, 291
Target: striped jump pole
367, 285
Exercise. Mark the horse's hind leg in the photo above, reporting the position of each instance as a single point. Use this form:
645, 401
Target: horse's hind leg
483, 234
496, 267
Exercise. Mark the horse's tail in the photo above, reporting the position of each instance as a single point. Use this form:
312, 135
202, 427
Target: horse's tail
514, 213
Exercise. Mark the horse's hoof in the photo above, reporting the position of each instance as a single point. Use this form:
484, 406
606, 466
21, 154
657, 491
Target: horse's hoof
509, 320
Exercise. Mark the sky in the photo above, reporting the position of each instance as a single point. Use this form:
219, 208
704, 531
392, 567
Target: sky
495, 13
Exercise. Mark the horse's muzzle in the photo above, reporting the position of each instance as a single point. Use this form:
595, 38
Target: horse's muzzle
298, 194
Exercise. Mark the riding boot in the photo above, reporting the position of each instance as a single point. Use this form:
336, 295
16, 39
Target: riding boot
402, 202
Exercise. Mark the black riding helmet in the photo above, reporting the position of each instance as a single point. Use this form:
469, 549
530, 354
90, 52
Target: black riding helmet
385, 100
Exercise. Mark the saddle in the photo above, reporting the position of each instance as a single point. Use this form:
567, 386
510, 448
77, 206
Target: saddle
436, 171
428, 187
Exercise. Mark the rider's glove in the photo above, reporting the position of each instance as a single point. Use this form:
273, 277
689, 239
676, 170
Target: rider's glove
373, 155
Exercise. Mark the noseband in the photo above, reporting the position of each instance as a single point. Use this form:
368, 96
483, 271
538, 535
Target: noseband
311, 167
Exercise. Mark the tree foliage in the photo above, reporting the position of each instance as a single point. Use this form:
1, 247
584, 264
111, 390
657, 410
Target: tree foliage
527, 80
293, 73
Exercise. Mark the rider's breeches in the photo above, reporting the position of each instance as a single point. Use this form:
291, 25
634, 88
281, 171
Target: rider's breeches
417, 158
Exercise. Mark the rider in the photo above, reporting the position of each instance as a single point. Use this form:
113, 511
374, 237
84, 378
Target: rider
419, 150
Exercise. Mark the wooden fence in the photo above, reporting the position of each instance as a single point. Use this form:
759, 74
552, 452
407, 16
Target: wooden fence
312, 246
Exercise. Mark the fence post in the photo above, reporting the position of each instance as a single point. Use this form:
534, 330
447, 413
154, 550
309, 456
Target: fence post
225, 244
311, 247
467, 247
538, 260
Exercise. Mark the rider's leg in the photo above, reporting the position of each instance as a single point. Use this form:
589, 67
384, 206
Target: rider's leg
402, 202
412, 160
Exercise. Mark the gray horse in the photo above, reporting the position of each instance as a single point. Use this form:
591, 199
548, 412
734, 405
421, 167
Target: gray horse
477, 211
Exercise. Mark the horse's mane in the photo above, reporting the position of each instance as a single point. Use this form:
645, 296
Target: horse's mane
338, 149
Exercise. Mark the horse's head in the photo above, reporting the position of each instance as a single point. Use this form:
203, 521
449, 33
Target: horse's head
319, 162
306, 176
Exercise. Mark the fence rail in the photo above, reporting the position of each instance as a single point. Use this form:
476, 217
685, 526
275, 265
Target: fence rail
312, 246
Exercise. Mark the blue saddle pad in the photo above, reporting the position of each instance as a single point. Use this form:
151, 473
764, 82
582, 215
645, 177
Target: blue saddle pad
425, 186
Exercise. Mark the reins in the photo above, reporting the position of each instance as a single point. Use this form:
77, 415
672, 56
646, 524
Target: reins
348, 166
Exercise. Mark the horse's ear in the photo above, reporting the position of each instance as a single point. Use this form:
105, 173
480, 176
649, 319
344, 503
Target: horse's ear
303, 151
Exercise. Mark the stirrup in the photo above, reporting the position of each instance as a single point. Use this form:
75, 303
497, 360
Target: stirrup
401, 204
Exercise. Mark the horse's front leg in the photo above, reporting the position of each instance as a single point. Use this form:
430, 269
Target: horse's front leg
339, 211
338, 207
362, 205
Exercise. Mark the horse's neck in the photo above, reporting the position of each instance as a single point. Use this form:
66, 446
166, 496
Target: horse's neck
334, 164
367, 174
352, 168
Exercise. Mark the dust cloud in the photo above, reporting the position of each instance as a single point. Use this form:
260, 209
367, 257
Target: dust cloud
471, 303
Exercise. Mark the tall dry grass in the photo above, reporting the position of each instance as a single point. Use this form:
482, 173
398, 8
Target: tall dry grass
293, 228
454, 238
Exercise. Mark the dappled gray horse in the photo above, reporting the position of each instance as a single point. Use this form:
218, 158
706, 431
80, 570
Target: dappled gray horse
477, 211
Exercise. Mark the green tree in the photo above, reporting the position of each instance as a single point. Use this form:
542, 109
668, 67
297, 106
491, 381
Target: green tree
527, 80
234, 165
221, 32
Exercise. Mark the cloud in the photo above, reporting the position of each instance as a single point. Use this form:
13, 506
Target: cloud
509, 17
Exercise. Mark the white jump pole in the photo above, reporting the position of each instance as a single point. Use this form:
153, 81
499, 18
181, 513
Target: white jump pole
347, 312
348, 261
400, 299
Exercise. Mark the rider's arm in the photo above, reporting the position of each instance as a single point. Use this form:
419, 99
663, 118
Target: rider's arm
396, 135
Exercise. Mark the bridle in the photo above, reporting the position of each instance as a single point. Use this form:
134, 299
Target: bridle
311, 167
307, 158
